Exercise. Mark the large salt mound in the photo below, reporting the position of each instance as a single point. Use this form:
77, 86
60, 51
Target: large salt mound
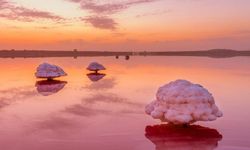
182, 102
49, 71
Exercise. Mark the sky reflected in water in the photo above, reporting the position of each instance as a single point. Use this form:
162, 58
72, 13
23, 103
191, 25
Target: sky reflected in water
106, 110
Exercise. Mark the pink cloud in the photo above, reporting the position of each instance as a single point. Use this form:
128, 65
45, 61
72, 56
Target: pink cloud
10, 11
101, 22
3, 3
107, 9
102, 8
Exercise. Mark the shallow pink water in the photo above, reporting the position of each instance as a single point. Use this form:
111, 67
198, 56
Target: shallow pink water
77, 113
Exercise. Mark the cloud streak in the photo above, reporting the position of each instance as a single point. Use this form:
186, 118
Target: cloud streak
159, 12
101, 22
12, 12
102, 85
102, 12
110, 7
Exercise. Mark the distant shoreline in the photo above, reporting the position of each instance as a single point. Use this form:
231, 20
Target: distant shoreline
214, 53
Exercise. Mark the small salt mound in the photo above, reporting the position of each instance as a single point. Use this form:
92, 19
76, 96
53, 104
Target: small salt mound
182, 102
49, 71
94, 66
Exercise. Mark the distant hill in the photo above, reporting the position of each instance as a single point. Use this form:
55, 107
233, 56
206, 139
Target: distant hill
222, 50
214, 53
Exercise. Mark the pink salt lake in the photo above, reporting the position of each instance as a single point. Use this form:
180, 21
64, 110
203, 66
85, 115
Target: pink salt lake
108, 113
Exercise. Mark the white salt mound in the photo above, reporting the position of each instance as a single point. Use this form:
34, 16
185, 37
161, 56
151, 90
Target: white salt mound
94, 66
46, 70
182, 102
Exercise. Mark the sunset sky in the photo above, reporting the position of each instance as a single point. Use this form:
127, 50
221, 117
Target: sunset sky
125, 24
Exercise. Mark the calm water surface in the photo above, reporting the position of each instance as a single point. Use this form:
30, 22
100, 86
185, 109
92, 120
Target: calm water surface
106, 112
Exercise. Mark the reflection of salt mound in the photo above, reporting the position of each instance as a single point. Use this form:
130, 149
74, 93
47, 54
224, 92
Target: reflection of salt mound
181, 102
95, 76
47, 88
49, 71
192, 137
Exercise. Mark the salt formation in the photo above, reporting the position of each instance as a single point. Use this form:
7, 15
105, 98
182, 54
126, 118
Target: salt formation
95, 76
168, 136
47, 88
94, 66
49, 71
182, 102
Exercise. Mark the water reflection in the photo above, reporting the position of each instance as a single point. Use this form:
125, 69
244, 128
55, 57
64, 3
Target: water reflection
104, 84
3, 103
11, 95
84, 111
55, 123
110, 98
49, 87
109, 114
168, 136
94, 77
90, 106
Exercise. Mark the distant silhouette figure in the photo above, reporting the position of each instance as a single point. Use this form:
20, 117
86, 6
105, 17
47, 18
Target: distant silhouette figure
169, 136
75, 53
127, 57
94, 77
49, 87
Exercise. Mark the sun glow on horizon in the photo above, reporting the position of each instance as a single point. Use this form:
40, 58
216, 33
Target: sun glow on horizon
126, 24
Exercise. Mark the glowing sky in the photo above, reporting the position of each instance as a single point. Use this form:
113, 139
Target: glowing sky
124, 24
